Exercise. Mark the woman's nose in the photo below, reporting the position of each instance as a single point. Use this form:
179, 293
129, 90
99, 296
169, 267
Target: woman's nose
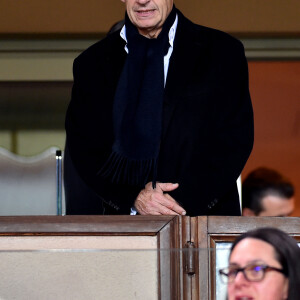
240, 279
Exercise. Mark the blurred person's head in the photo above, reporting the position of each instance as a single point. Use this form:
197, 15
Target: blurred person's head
265, 192
263, 264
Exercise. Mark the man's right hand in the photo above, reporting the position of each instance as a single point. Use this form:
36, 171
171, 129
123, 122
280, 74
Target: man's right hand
155, 202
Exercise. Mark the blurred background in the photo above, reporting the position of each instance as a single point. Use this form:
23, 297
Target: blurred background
40, 39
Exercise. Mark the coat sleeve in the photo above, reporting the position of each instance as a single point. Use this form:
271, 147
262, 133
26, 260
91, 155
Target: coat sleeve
89, 139
232, 138
214, 138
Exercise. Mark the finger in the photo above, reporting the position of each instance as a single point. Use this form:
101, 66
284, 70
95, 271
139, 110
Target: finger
169, 197
167, 187
154, 204
173, 205
163, 210
158, 208
169, 202
148, 186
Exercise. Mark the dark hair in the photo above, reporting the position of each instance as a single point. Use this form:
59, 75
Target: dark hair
262, 182
287, 254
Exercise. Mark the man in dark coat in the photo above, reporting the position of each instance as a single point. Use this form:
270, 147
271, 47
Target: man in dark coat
160, 118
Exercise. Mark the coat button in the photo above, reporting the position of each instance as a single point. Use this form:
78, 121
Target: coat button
212, 203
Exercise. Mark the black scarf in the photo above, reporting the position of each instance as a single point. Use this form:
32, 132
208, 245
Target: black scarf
137, 110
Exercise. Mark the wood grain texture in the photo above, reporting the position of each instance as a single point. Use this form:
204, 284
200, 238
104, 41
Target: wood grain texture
237, 225
72, 225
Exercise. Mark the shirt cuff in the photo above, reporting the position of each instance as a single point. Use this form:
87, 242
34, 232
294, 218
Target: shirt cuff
133, 211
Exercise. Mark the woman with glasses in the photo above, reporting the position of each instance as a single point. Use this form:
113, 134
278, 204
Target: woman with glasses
263, 264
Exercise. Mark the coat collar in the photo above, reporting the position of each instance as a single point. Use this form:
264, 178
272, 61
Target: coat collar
190, 46
115, 58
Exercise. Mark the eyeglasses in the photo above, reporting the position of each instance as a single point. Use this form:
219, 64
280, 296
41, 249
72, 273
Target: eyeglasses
252, 272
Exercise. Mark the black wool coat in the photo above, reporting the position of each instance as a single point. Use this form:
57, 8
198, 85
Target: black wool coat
207, 130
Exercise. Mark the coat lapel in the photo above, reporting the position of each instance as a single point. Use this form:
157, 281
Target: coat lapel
188, 54
115, 60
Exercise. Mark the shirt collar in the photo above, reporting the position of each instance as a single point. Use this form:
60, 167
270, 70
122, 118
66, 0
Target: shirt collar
172, 33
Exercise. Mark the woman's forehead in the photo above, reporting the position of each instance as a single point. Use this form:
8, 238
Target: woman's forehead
251, 250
